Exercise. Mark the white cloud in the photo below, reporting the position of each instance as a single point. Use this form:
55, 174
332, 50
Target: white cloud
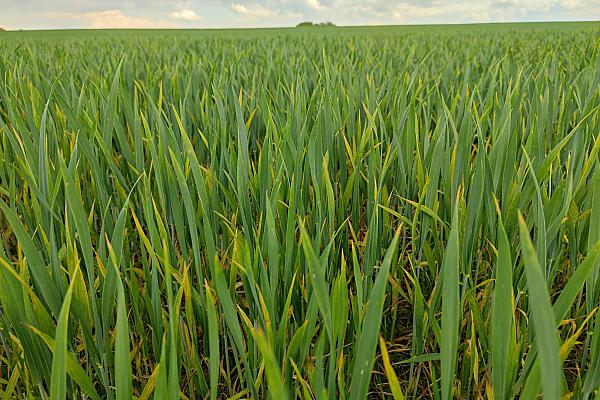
480, 16
507, 3
314, 4
570, 4
38, 14
255, 11
115, 19
415, 12
546, 9
252, 11
186, 15
405, 11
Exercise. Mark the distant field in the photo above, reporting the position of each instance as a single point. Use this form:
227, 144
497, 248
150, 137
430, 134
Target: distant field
316, 213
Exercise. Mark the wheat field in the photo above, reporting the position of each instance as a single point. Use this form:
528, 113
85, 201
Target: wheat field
321, 213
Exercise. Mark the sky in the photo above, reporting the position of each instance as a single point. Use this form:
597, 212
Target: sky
68, 14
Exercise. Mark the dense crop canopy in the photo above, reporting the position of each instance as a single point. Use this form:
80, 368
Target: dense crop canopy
326, 213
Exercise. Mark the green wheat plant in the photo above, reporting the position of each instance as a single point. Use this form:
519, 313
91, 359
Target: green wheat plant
341, 213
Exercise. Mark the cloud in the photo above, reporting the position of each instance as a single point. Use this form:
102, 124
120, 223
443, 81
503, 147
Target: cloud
254, 11
507, 3
423, 12
314, 5
480, 16
41, 14
405, 10
576, 4
186, 15
545, 9
115, 19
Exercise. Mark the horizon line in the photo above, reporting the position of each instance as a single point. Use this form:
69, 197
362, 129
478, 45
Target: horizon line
308, 27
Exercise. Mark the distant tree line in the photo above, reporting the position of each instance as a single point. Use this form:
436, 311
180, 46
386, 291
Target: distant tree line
312, 24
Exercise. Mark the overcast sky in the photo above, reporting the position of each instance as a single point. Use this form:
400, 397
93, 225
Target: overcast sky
57, 14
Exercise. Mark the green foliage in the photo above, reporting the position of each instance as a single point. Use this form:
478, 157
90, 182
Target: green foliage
245, 214
308, 24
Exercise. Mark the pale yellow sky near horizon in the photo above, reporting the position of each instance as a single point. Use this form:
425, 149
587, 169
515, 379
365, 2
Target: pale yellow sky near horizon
66, 14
